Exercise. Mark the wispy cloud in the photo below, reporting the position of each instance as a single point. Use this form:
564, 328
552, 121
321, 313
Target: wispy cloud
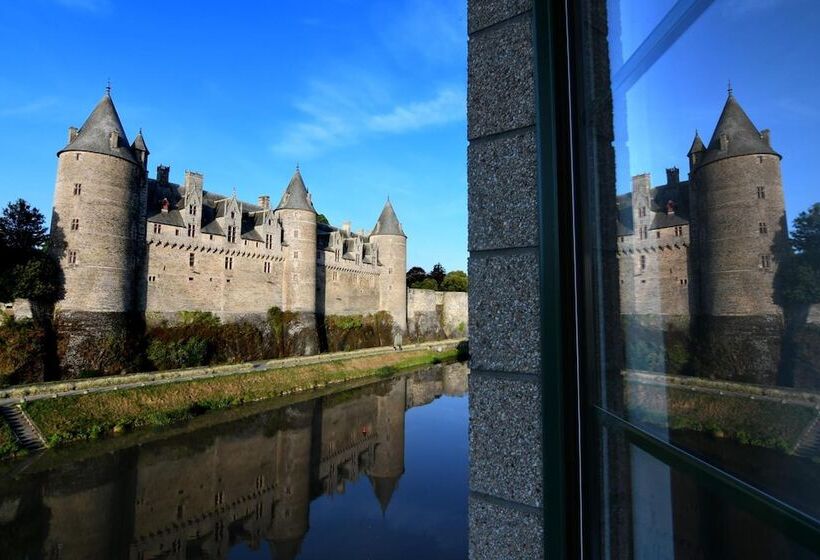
31, 108
86, 5
448, 106
337, 115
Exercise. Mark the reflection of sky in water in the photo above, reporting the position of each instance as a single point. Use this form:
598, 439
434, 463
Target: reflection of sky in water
765, 48
427, 515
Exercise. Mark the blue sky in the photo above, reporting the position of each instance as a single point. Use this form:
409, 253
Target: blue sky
368, 97
767, 48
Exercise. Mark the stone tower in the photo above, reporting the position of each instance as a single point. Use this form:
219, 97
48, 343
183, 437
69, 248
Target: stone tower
392, 254
98, 218
740, 217
388, 458
297, 217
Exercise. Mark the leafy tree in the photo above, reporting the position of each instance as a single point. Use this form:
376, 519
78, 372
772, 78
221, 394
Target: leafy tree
455, 281
426, 284
800, 272
38, 278
21, 228
415, 275
322, 219
438, 273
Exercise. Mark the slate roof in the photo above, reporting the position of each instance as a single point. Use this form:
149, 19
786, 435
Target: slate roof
744, 138
139, 143
94, 135
678, 193
388, 222
296, 196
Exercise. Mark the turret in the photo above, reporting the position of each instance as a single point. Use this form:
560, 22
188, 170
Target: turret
388, 458
741, 219
695, 152
298, 218
99, 214
391, 246
141, 150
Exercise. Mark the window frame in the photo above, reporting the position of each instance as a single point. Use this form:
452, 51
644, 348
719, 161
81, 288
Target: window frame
568, 271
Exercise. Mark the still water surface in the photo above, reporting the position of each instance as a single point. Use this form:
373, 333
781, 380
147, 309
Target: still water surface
378, 471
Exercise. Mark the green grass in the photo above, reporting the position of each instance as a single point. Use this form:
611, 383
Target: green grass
93, 416
8, 443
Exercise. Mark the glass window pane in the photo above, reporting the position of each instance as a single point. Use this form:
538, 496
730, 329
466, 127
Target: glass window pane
701, 212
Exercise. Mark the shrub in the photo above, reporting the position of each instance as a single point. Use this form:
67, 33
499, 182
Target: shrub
188, 352
204, 318
22, 352
352, 332
455, 281
426, 284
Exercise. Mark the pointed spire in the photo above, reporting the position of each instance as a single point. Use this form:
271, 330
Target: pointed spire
697, 145
729, 89
740, 135
139, 143
96, 133
296, 196
383, 488
388, 223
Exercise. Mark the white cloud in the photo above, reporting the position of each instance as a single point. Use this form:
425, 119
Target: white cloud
448, 106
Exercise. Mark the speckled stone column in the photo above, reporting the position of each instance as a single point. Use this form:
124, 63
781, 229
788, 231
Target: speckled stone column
506, 507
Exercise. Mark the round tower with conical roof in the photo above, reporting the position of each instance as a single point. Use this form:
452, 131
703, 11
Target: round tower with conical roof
391, 242
741, 219
297, 217
99, 215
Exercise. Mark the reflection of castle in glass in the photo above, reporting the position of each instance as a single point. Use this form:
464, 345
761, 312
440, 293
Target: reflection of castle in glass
709, 245
200, 493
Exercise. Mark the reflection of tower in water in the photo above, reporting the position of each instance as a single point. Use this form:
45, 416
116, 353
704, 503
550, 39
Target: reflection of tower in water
388, 460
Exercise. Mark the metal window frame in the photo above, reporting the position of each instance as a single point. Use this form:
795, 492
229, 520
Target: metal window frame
567, 273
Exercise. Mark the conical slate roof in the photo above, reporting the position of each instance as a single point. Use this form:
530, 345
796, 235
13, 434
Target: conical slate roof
744, 138
139, 143
383, 487
697, 145
296, 195
95, 134
388, 222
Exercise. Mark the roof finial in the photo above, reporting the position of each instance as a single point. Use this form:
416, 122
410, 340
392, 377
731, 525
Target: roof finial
729, 88
108, 87
297, 166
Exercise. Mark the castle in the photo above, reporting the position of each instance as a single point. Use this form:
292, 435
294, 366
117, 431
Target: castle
129, 244
708, 246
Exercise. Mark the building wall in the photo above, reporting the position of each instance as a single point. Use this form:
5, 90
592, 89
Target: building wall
505, 509
345, 287
432, 314
245, 289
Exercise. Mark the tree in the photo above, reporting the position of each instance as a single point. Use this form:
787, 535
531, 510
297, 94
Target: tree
800, 272
39, 278
322, 219
455, 281
415, 275
21, 228
438, 273
426, 284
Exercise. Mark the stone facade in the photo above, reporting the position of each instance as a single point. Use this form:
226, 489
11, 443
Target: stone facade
709, 245
434, 315
130, 245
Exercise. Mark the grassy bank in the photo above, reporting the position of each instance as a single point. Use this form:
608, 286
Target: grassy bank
8, 443
85, 417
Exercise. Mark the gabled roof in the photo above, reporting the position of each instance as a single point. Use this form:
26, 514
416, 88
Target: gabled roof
743, 136
296, 195
94, 136
139, 143
388, 222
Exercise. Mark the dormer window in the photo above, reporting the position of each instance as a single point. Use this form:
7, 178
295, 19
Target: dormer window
231, 234
192, 210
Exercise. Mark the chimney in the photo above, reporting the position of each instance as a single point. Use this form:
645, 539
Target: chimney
724, 142
193, 180
165, 205
264, 202
72, 133
765, 135
346, 227
672, 176
642, 182
670, 207
114, 139
163, 171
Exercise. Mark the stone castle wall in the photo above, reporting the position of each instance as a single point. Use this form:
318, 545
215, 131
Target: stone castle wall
345, 288
432, 314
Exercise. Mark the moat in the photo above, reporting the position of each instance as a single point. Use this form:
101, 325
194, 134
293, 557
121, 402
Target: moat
377, 471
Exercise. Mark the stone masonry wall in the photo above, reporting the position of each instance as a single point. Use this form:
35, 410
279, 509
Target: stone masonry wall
435, 315
506, 498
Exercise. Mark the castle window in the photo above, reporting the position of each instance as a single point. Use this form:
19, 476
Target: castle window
228, 263
192, 210
176, 231
211, 237
643, 262
75, 224
77, 189
191, 230
268, 241
78, 157
761, 192
191, 259
152, 279
190, 279
679, 230
231, 234
641, 212
157, 228
233, 215
267, 267
295, 255
658, 234
72, 257
762, 227
765, 262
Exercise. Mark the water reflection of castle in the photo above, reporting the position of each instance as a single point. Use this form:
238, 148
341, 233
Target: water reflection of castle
249, 481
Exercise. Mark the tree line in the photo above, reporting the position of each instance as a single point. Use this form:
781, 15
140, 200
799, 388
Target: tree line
437, 279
